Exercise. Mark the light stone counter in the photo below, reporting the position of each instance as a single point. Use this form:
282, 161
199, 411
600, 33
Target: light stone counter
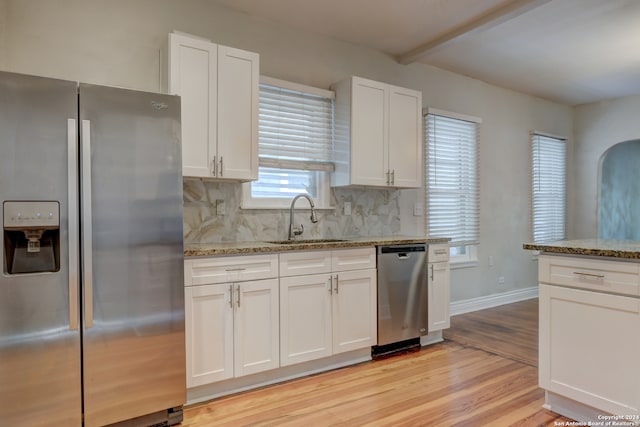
229, 248
629, 249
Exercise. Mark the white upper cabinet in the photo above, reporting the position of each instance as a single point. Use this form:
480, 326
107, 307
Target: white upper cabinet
378, 135
218, 86
405, 137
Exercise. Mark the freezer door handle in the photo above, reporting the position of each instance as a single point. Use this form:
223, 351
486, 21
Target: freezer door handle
72, 180
87, 243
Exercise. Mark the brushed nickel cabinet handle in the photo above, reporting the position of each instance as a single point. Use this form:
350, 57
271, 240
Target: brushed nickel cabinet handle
238, 291
221, 170
596, 276
231, 296
213, 166
337, 284
330, 285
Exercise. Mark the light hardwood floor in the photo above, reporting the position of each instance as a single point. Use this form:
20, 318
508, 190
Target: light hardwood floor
446, 384
509, 330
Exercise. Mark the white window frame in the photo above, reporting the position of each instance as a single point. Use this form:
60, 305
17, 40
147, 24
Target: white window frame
470, 256
323, 199
550, 191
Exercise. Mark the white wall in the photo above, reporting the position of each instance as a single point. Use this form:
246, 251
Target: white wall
598, 126
116, 42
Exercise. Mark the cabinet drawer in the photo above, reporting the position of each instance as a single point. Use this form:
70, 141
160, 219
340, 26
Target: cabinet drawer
353, 259
438, 253
230, 269
303, 263
587, 273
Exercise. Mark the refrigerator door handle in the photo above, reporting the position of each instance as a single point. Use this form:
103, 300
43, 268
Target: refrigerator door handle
72, 180
87, 243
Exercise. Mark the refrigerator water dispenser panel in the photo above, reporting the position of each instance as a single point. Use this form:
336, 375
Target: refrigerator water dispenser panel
31, 236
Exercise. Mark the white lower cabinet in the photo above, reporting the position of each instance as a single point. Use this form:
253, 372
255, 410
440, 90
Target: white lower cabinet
252, 313
354, 310
327, 313
305, 318
590, 334
209, 334
231, 317
231, 330
438, 288
589, 347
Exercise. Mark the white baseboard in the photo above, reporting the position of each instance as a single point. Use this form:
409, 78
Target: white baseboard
480, 303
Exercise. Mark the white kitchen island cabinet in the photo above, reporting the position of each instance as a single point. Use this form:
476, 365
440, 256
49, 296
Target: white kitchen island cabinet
589, 337
231, 326
331, 311
378, 138
218, 86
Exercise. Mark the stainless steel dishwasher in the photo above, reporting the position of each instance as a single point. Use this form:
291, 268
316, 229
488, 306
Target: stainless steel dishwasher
402, 297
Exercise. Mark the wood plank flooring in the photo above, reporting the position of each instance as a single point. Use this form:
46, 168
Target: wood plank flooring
509, 330
446, 384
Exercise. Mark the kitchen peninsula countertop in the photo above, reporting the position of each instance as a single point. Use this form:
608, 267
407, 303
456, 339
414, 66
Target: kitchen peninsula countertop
228, 248
629, 249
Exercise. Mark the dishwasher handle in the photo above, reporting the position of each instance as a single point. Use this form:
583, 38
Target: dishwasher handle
402, 249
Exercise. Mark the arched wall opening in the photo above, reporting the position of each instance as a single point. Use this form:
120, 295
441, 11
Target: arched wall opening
619, 192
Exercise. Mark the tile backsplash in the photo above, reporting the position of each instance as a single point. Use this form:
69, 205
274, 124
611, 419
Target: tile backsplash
374, 212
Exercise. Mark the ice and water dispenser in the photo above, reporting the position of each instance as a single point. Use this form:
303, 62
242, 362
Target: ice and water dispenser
31, 236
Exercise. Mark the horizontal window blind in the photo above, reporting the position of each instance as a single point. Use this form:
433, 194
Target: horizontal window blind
295, 126
549, 187
285, 183
452, 188
295, 142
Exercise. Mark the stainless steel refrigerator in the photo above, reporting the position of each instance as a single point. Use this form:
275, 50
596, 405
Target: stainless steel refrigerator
91, 290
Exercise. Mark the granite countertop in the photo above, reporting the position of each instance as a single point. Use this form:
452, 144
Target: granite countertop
629, 249
228, 248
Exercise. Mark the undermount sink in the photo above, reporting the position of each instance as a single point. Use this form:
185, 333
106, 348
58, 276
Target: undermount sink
293, 242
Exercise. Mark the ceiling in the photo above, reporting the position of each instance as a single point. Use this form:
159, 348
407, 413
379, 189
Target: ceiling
570, 51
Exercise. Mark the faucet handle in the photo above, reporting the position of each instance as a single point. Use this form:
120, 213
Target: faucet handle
298, 230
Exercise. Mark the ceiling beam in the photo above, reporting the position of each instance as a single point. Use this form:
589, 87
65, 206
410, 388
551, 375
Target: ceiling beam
481, 22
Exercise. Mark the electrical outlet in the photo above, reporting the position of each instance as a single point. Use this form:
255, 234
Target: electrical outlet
219, 207
501, 280
347, 208
418, 209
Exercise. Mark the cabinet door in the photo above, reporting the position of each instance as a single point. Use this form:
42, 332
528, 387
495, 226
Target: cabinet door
305, 318
589, 346
256, 324
405, 142
192, 75
438, 296
354, 310
238, 74
209, 333
369, 119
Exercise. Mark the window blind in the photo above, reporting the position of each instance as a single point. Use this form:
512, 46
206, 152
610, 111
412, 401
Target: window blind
452, 188
549, 187
295, 129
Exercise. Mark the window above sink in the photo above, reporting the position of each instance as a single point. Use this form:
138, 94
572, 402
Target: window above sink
295, 145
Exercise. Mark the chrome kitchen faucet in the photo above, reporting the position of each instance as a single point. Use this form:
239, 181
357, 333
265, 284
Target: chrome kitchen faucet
296, 231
